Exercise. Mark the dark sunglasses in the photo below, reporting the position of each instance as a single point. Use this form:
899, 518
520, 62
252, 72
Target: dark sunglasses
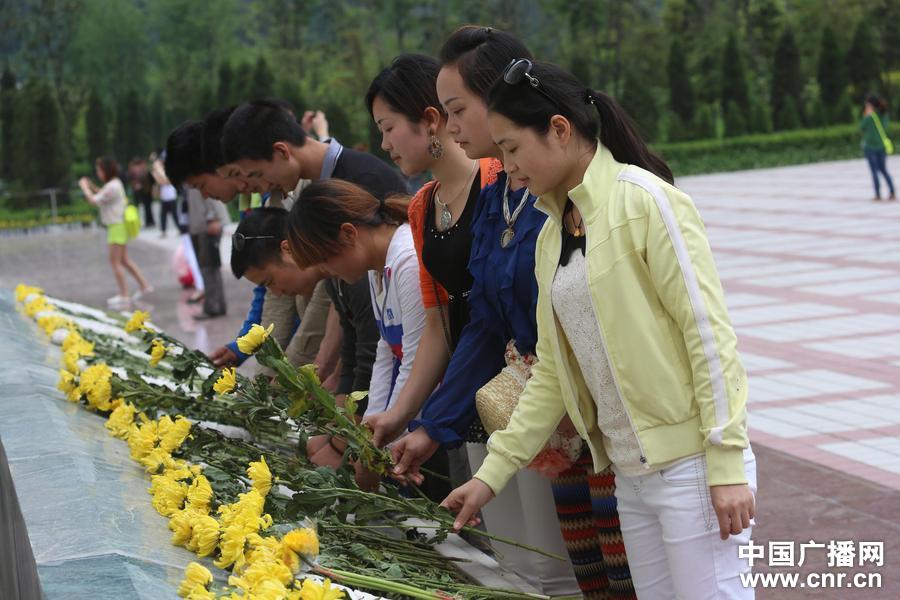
518, 70
238, 240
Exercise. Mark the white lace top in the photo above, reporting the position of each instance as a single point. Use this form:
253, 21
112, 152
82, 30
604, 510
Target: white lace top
572, 304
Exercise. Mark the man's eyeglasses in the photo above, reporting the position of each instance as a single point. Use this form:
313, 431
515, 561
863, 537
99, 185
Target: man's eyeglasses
518, 70
238, 240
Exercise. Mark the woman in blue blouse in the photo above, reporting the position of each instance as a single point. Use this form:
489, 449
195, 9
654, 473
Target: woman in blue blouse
502, 306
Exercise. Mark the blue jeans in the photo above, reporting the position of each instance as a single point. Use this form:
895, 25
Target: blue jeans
877, 164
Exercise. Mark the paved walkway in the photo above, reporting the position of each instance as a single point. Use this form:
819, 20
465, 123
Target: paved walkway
811, 267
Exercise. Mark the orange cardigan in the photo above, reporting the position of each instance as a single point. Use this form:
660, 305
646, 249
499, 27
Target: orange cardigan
418, 206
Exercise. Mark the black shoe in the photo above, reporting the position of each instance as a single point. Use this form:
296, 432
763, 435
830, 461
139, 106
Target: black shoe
196, 299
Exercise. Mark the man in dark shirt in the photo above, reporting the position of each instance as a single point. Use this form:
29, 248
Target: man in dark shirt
261, 140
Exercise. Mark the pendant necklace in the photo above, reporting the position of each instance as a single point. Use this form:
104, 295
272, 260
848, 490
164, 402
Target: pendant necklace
446, 217
576, 226
509, 233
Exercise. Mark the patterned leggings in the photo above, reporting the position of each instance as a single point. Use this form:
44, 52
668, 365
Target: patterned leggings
586, 506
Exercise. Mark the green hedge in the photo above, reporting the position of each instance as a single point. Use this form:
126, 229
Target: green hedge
78, 211
762, 150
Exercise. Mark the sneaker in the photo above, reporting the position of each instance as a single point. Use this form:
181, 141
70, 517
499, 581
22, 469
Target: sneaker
118, 301
876, 199
892, 197
141, 293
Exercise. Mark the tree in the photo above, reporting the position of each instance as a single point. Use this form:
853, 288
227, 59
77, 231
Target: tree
831, 76
789, 116
7, 118
130, 128
760, 120
639, 103
225, 92
243, 83
96, 119
863, 64
816, 114
735, 124
41, 157
704, 123
734, 76
206, 99
263, 85
339, 125
764, 19
786, 81
681, 93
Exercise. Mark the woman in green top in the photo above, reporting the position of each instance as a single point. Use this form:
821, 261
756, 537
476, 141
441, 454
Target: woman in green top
874, 125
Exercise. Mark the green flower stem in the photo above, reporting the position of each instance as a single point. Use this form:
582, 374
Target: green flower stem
375, 583
445, 520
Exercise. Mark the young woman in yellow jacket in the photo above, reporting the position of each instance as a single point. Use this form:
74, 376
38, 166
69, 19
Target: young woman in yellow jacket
634, 340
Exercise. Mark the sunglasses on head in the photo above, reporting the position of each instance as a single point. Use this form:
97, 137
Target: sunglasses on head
239, 240
519, 70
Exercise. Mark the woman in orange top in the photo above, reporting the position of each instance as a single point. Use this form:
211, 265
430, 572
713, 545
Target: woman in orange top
403, 102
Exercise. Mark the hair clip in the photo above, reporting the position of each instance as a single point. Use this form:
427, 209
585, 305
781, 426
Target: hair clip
589, 97
488, 30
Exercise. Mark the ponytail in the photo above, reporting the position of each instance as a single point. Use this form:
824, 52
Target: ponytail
619, 133
615, 128
314, 223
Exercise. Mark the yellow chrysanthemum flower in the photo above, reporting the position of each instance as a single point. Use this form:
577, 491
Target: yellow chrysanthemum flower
231, 545
259, 473
200, 494
136, 322
168, 495
69, 386
23, 291
52, 322
70, 361
120, 420
77, 344
142, 438
270, 589
95, 384
157, 352
159, 460
181, 525
250, 343
315, 590
226, 382
302, 541
199, 593
173, 435
195, 575
36, 305
204, 535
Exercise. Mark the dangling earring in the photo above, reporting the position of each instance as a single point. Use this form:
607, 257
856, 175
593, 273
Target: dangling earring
435, 147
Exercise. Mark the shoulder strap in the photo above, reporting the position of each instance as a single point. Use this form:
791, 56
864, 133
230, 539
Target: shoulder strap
880, 129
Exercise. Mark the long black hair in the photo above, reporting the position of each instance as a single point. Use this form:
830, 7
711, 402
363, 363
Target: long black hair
581, 106
481, 54
408, 86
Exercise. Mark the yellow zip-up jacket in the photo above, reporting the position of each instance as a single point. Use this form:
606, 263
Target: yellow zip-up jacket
663, 321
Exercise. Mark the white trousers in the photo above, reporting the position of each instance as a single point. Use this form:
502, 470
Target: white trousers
671, 535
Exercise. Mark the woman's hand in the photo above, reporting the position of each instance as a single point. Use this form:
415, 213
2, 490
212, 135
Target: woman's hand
387, 426
465, 502
409, 453
323, 451
734, 506
223, 357
214, 227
